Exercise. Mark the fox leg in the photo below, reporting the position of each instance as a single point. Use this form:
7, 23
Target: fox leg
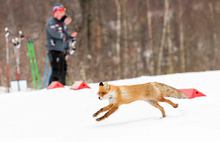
112, 110
103, 110
156, 104
169, 102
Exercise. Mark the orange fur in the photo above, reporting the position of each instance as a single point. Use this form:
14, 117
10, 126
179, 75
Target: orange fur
152, 93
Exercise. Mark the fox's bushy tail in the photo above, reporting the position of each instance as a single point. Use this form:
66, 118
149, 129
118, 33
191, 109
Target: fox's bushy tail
168, 91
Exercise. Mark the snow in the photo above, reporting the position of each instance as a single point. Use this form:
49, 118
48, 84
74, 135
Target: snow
65, 115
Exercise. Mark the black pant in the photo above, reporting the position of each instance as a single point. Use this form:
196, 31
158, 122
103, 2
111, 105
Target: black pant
59, 66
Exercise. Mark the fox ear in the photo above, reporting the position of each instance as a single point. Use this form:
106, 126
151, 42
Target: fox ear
107, 87
101, 84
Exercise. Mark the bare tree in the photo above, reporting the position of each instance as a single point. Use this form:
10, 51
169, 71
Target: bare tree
150, 37
169, 38
214, 34
118, 34
124, 54
163, 38
181, 37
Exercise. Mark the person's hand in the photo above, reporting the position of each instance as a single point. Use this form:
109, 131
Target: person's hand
66, 57
74, 34
68, 20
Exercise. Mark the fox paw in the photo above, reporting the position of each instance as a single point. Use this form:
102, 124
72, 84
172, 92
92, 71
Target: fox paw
98, 119
95, 114
176, 105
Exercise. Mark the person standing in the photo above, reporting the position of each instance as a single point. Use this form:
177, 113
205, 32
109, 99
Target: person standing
58, 42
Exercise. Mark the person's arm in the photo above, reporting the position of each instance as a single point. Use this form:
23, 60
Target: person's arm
67, 20
52, 30
63, 18
71, 36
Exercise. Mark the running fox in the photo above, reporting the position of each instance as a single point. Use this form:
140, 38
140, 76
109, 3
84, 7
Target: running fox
152, 93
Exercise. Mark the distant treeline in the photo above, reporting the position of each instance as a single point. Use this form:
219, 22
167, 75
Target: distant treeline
121, 38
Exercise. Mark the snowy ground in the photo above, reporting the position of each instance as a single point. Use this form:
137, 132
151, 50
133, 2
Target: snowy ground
64, 115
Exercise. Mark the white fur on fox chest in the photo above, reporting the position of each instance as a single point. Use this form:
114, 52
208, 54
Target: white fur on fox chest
110, 96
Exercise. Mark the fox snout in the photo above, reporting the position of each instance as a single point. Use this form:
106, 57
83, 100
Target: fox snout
101, 98
101, 95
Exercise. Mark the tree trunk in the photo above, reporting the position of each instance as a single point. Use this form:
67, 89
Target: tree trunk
124, 53
150, 38
181, 38
163, 38
170, 43
118, 35
214, 35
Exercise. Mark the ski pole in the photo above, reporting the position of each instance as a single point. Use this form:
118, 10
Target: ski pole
17, 44
7, 33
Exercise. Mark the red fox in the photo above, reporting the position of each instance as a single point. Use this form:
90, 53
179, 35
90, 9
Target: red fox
152, 93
